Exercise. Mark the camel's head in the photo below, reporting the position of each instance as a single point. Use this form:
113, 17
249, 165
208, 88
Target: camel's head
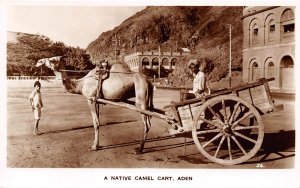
55, 63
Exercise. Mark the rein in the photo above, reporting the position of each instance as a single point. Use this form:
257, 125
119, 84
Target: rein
66, 70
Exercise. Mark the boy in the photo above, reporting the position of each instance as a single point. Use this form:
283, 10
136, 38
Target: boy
36, 104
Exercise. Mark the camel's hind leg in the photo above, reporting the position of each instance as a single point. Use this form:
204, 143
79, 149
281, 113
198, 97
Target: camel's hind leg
96, 124
147, 125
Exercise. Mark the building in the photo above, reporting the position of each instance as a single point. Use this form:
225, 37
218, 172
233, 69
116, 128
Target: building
152, 60
269, 45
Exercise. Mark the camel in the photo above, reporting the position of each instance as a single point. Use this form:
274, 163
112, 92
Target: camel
120, 86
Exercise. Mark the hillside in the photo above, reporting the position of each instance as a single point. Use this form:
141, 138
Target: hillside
172, 28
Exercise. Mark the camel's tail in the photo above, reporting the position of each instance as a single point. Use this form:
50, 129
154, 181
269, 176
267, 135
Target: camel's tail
150, 96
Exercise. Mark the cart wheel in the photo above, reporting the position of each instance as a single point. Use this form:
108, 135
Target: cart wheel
228, 130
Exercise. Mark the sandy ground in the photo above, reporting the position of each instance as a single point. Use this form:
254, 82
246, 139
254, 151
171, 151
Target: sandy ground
68, 133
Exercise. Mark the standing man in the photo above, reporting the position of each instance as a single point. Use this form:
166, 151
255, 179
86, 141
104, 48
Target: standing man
199, 83
36, 104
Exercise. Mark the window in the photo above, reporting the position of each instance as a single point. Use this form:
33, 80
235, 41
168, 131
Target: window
145, 61
289, 28
287, 15
271, 70
165, 62
173, 62
271, 64
272, 28
155, 61
255, 71
255, 32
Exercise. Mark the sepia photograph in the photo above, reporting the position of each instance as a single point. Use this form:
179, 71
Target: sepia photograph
148, 94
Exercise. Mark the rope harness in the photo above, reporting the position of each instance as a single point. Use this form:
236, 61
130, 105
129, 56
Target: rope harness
103, 74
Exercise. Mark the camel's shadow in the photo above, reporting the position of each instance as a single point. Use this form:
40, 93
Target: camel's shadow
137, 142
87, 127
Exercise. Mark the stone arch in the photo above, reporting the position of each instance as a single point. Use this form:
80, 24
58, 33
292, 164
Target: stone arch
146, 62
253, 70
155, 62
287, 25
286, 76
165, 62
254, 32
270, 28
270, 70
173, 63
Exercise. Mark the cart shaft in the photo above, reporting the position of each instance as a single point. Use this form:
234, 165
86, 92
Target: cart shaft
151, 112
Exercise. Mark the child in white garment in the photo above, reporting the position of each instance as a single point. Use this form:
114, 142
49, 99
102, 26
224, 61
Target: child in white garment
36, 104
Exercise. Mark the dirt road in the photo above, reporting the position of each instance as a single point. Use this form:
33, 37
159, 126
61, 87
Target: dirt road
68, 133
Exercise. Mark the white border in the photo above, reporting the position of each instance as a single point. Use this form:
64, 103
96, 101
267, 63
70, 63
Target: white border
14, 177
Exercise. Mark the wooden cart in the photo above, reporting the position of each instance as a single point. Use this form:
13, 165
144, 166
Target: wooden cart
227, 126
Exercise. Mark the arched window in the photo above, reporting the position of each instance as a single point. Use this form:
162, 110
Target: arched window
255, 34
165, 62
287, 62
271, 29
270, 71
287, 21
155, 62
173, 63
287, 73
255, 73
271, 26
145, 62
253, 70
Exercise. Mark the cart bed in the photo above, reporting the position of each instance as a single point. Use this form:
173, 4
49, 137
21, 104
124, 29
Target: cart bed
256, 93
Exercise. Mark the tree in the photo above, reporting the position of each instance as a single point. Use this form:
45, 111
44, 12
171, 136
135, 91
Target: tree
23, 55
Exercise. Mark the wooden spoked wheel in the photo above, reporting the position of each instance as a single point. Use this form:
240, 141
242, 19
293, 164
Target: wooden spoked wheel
228, 130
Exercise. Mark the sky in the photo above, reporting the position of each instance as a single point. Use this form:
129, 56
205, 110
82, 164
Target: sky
73, 25
78, 23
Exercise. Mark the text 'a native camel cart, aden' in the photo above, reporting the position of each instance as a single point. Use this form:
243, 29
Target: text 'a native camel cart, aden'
226, 125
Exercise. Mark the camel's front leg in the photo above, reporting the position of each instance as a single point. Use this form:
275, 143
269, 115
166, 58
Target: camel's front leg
96, 124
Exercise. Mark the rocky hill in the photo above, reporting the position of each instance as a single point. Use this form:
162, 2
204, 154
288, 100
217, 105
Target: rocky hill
200, 28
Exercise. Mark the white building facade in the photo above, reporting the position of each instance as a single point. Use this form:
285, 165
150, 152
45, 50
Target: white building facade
152, 60
269, 45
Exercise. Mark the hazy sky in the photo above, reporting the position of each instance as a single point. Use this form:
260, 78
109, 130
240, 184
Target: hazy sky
73, 25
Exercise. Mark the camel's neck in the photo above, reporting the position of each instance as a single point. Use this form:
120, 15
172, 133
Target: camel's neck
71, 85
